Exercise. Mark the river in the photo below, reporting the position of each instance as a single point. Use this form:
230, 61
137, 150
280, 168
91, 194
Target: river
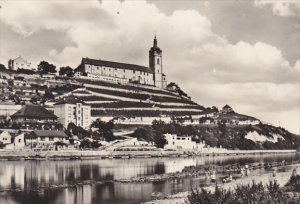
53, 182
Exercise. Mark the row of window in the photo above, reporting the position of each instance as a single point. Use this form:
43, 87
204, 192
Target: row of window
116, 69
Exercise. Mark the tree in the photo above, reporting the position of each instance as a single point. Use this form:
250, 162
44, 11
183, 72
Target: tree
2, 68
104, 129
68, 71
48, 95
159, 140
85, 144
72, 129
45, 68
158, 125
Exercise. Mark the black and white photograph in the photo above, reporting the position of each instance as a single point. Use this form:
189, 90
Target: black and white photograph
149, 101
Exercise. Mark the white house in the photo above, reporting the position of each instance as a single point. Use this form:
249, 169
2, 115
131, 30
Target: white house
18, 142
176, 142
19, 63
75, 111
46, 138
5, 137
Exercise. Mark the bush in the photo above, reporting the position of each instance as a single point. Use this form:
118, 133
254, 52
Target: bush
244, 194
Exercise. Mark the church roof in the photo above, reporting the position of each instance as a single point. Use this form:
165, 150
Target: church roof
34, 111
155, 48
119, 65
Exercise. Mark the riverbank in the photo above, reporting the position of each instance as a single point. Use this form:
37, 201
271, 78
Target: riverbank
222, 172
103, 154
281, 177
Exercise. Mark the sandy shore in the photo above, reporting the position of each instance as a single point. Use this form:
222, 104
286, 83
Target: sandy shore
281, 177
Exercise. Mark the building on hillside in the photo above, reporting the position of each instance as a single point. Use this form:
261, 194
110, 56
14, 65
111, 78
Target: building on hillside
9, 108
19, 63
47, 139
227, 109
124, 73
36, 117
184, 143
5, 137
17, 142
75, 111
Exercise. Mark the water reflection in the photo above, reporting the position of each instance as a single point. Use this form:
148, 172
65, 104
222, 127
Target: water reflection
68, 182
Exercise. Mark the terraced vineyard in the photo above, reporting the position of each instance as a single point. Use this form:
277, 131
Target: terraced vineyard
133, 100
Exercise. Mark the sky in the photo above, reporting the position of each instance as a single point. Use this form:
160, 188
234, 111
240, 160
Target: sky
245, 53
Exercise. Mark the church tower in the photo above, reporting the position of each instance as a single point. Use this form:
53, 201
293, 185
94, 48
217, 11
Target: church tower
155, 65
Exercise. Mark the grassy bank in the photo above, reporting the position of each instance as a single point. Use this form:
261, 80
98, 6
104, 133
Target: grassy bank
250, 194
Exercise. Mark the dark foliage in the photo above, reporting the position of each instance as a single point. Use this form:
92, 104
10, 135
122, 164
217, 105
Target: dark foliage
87, 144
25, 71
294, 183
81, 133
2, 68
66, 71
46, 68
243, 194
104, 129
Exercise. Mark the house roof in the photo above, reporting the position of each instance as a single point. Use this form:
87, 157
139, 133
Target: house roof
5, 133
227, 107
48, 133
70, 101
34, 111
111, 64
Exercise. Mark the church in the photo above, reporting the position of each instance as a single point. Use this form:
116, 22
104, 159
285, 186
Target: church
123, 73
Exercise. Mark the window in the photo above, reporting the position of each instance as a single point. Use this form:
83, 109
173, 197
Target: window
157, 61
42, 139
51, 139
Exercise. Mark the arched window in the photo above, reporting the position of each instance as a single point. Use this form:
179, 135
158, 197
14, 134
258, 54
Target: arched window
157, 61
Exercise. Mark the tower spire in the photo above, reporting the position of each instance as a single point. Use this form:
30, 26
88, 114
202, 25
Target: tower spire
155, 41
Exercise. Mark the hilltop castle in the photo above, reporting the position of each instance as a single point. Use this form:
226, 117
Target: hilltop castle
118, 72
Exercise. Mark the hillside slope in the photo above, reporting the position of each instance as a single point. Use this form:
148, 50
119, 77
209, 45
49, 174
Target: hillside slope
111, 99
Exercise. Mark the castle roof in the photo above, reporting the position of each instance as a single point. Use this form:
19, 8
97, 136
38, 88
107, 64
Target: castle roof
104, 63
34, 111
70, 101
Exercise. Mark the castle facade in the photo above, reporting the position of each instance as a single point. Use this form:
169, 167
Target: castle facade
123, 73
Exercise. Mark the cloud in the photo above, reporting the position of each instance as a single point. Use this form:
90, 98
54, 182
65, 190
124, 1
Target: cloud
252, 77
281, 7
